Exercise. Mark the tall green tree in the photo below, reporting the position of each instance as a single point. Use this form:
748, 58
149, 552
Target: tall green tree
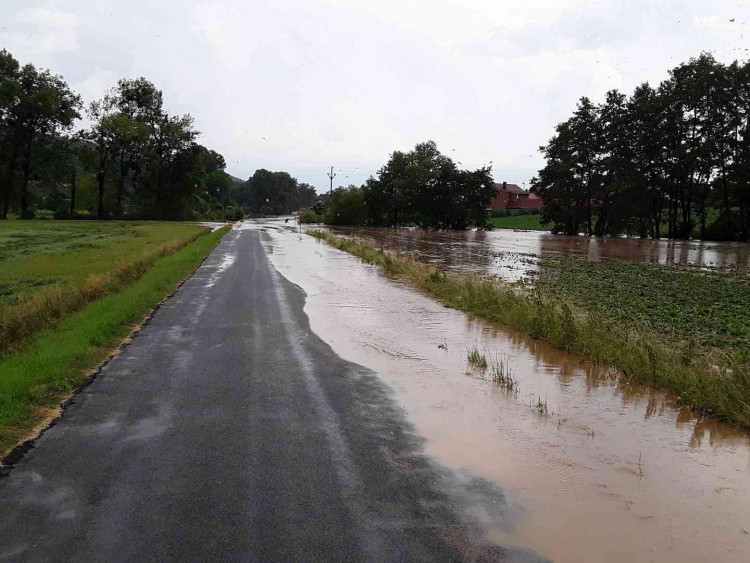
272, 193
666, 157
10, 95
571, 183
425, 188
41, 109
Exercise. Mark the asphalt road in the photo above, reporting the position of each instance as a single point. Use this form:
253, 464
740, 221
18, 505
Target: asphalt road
228, 431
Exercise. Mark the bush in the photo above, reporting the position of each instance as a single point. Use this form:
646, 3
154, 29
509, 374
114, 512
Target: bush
345, 206
61, 213
310, 216
724, 228
234, 214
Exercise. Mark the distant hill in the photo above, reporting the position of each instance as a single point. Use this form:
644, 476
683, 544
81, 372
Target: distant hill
236, 180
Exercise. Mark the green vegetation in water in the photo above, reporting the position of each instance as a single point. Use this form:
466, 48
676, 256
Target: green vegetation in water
540, 406
57, 361
502, 374
476, 359
708, 379
520, 222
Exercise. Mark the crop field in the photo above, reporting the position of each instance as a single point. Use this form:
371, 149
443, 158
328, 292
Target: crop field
521, 222
707, 306
49, 269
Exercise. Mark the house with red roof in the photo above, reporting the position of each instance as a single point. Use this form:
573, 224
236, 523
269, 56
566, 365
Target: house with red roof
513, 196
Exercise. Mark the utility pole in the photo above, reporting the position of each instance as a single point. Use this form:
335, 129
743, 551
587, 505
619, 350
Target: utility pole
331, 176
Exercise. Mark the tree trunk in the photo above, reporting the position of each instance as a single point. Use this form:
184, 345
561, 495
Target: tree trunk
656, 233
6, 200
73, 193
725, 194
702, 214
25, 185
100, 182
120, 185
9, 183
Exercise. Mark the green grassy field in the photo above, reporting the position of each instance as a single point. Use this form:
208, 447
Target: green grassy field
49, 269
57, 360
38, 253
658, 325
521, 222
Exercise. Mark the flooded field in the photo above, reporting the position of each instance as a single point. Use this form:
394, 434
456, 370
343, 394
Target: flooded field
511, 254
613, 471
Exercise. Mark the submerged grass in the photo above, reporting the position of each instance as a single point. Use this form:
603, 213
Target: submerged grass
540, 406
476, 359
59, 360
502, 374
711, 381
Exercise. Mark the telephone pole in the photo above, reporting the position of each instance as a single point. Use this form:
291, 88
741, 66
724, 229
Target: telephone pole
331, 176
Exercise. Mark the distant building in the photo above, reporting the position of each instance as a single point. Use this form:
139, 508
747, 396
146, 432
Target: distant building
513, 196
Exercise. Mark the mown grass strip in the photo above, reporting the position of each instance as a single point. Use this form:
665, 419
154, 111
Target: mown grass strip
57, 361
711, 382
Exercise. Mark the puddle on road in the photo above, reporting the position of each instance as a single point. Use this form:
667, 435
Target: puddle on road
615, 472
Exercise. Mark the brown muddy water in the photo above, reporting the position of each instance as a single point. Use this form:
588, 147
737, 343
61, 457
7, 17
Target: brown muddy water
614, 472
512, 254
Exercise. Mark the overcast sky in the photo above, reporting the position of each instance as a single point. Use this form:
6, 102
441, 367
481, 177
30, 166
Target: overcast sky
303, 85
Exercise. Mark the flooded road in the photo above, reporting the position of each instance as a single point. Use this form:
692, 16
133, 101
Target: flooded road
512, 254
614, 472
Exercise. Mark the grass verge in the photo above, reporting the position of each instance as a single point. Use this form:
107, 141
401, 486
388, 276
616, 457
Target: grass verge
712, 382
57, 361
522, 222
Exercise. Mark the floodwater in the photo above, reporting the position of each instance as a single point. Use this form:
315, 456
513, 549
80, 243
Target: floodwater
512, 254
615, 471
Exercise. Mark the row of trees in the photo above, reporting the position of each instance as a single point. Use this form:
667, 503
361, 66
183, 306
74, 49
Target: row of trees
421, 187
672, 160
135, 158
274, 193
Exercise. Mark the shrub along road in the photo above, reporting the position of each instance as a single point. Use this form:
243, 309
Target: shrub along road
229, 431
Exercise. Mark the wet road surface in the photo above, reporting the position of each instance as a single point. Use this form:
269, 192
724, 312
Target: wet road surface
229, 431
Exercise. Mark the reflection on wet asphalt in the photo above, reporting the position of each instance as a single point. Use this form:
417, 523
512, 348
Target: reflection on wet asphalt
615, 471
